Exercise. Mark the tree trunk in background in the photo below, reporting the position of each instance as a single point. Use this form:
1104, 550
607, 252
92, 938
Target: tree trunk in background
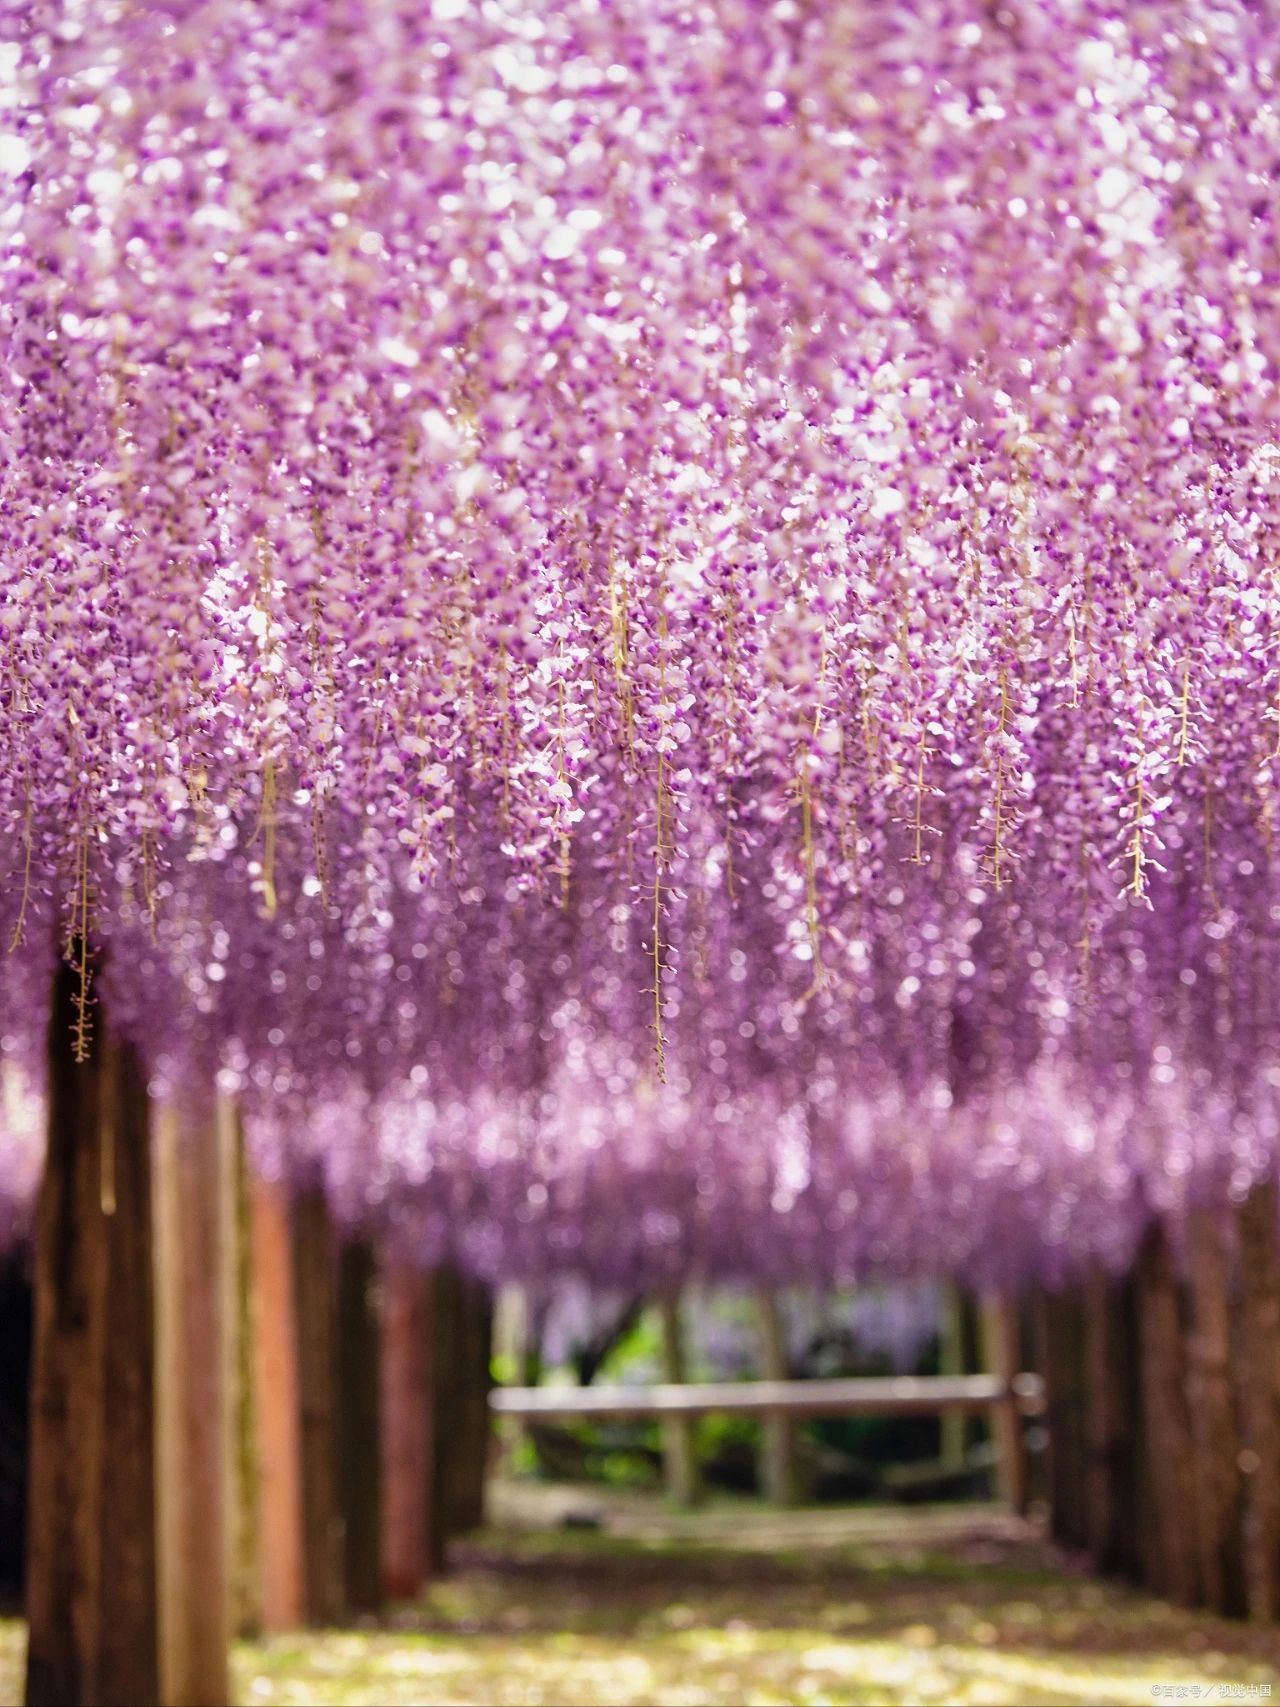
460, 1345
91, 1568
444, 1377
467, 1512
1000, 1356
1173, 1559
406, 1430
244, 1509
17, 1326
65, 1487
434, 1529
679, 1434
1112, 1424
1060, 1354
358, 1428
167, 1254
1140, 1499
315, 1299
128, 1637
195, 1214
1258, 1369
1214, 1432
780, 1474
951, 1361
278, 1408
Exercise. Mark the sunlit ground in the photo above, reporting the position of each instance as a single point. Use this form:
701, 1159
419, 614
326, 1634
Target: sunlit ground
733, 1605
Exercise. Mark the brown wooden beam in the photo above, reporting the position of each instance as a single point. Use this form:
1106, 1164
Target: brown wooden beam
406, 1429
358, 1433
315, 1296
890, 1395
1214, 1433
679, 1439
1258, 1388
1000, 1350
193, 1213
1173, 1561
64, 1498
128, 1635
277, 1409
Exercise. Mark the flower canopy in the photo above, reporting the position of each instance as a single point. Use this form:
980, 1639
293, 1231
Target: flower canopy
654, 603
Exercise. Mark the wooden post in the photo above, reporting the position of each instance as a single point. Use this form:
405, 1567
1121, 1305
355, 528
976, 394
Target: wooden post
243, 1459
446, 1388
434, 1374
679, 1434
1214, 1434
275, 1369
170, 1458
64, 1534
406, 1434
780, 1473
1111, 1502
1059, 1328
91, 1564
951, 1361
192, 1215
514, 1308
999, 1324
1173, 1559
476, 1433
315, 1296
17, 1330
128, 1635
358, 1428
1258, 1386
460, 1338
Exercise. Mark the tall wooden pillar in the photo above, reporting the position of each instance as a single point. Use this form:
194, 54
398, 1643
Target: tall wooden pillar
193, 1213
1258, 1368
679, 1433
477, 1419
460, 1345
91, 1568
1173, 1559
64, 1547
1111, 1502
315, 1297
1059, 1332
951, 1361
1215, 1436
277, 1408
17, 1328
243, 1457
447, 1378
91, 1533
999, 1332
359, 1470
780, 1472
128, 1635
406, 1430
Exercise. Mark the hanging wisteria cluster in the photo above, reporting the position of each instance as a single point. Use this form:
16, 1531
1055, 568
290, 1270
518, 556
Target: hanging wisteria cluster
656, 625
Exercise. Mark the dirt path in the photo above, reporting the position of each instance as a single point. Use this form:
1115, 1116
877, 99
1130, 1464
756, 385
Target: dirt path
737, 1604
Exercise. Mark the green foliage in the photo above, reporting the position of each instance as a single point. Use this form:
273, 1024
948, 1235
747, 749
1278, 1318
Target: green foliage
614, 1454
504, 1368
729, 1451
640, 1348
